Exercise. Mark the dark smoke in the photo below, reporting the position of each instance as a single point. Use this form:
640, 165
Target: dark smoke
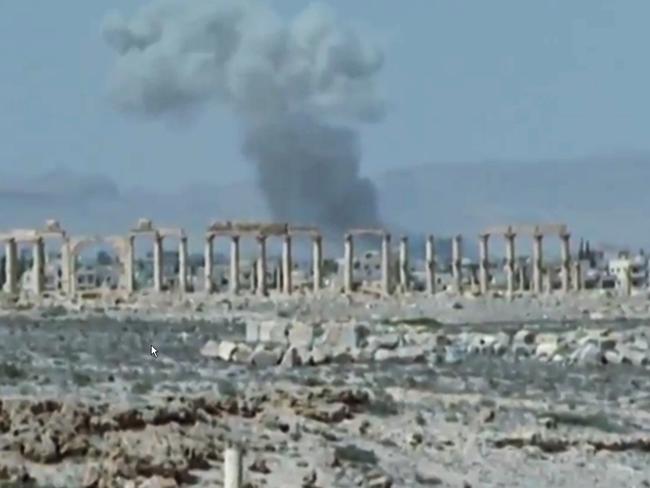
299, 89
310, 172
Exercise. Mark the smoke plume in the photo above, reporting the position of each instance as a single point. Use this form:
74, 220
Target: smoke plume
300, 90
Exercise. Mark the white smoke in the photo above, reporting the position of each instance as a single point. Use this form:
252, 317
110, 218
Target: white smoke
292, 85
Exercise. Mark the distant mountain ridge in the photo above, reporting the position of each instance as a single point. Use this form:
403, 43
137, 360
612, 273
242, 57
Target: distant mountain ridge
603, 198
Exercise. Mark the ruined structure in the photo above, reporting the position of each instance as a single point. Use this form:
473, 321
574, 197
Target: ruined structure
261, 231
123, 245
537, 232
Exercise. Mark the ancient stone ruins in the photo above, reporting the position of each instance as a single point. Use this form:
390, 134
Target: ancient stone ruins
395, 268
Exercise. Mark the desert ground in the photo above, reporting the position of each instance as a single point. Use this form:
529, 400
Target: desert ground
328, 391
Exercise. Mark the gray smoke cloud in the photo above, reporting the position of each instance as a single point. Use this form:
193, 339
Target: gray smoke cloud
299, 88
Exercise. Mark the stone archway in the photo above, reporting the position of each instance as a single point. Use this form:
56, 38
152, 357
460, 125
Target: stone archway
119, 244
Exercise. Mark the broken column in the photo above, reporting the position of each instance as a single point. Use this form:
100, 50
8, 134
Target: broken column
234, 265
538, 262
626, 280
521, 270
232, 466
548, 280
287, 265
456, 263
317, 261
11, 266
430, 263
483, 262
38, 266
510, 262
566, 261
157, 262
182, 264
385, 264
261, 266
348, 258
404, 278
129, 260
208, 264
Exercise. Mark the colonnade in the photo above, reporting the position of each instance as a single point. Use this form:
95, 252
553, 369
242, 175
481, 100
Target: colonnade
261, 233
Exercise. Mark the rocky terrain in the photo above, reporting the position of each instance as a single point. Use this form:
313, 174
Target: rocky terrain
328, 392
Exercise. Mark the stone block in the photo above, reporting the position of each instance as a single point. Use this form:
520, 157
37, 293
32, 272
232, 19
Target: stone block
301, 335
264, 358
273, 331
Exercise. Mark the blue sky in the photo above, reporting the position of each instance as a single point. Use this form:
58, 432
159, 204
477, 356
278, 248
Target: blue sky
464, 81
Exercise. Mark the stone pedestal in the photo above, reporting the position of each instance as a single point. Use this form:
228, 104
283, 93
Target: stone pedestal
234, 265
261, 266
157, 263
566, 262
348, 262
287, 266
483, 270
317, 262
538, 263
11, 266
430, 263
404, 275
208, 264
457, 263
38, 253
511, 258
385, 264
182, 264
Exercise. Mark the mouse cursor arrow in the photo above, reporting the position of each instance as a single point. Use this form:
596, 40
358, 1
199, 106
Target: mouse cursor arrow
154, 352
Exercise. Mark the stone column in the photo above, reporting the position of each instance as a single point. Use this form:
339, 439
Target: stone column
234, 265
577, 275
253, 275
208, 264
385, 264
566, 261
129, 261
430, 263
65, 266
510, 262
348, 262
261, 266
287, 266
182, 264
484, 263
37, 268
317, 261
404, 278
538, 262
456, 263
157, 262
11, 266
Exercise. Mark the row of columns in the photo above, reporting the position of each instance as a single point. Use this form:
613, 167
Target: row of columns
537, 264
261, 286
403, 265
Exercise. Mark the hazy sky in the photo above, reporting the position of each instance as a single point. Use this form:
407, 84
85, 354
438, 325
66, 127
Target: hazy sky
464, 80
